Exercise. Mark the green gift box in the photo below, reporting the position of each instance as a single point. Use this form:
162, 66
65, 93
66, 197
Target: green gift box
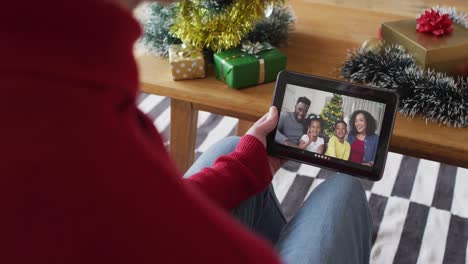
251, 64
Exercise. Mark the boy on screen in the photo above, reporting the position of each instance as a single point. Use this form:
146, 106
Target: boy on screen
338, 147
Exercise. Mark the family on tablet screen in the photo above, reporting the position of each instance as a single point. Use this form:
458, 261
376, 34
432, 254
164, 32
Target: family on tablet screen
356, 141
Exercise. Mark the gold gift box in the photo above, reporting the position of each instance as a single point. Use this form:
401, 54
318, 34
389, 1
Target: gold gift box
186, 63
445, 53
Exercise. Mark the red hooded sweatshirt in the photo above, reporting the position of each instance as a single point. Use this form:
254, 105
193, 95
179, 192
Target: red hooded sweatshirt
84, 175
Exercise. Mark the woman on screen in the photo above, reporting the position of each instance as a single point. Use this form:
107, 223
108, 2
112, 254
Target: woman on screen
362, 138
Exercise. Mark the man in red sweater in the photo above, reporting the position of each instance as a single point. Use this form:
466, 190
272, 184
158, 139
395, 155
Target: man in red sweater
85, 177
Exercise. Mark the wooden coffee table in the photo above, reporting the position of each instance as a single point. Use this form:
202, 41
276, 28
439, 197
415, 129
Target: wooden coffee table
318, 46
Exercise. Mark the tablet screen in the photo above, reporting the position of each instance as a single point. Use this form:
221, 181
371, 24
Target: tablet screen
331, 126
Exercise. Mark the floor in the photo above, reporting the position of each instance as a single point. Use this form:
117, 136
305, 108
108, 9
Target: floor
419, 208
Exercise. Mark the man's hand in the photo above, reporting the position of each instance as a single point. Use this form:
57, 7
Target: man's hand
261, 129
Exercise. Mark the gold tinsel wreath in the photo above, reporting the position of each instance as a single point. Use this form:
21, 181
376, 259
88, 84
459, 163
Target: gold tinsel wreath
198, 27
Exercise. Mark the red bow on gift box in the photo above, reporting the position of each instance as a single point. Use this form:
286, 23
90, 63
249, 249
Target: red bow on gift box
434, 22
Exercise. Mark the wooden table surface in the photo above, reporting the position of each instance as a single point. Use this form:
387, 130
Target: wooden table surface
323, 35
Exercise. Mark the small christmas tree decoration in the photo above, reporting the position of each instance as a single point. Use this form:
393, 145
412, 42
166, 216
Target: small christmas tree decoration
186, 63
212, 31
331, 113
251, 64
199, 27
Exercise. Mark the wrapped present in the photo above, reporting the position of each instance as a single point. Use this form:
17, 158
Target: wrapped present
252, 64
442, 51
186, 63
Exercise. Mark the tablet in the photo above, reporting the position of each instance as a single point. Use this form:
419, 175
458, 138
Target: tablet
332, 124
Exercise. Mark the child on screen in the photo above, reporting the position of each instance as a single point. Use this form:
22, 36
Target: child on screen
338, 147
311, 141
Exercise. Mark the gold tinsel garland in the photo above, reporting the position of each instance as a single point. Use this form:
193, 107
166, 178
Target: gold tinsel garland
198, 27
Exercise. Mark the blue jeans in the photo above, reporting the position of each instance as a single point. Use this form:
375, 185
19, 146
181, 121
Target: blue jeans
332, 226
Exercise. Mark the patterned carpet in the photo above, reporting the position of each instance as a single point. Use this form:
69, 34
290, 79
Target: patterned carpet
419, 208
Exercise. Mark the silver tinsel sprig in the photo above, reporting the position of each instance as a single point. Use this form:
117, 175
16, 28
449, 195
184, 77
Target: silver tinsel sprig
251, 48
433, 95
276, 28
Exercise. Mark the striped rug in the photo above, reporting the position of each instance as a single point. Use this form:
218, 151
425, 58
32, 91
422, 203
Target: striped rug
419, 208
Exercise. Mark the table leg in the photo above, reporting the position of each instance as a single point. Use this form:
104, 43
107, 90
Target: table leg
183, 133
242, 127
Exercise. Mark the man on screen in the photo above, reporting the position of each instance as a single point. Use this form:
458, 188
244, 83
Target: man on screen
291, 124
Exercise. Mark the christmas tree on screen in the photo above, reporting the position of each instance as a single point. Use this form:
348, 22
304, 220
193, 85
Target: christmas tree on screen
332, 112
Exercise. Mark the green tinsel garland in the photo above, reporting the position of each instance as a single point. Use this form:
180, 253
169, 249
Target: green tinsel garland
274, 29
433, 95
